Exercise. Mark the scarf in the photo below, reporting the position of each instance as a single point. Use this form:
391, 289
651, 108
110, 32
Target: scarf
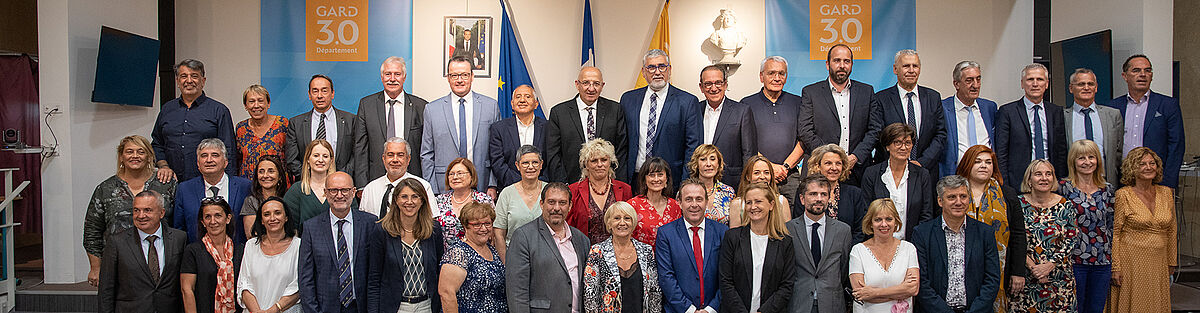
224, 300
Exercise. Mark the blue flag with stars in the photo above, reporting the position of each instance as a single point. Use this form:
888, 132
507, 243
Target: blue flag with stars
512, 72
589, 42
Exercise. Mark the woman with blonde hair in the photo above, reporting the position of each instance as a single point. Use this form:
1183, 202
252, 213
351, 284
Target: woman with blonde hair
1049, 219
847, 203
764, 283
621, 273
878, 287
1144, 230
306, 197
758, 170
259, 135
1091, 199
596, 190
707, 165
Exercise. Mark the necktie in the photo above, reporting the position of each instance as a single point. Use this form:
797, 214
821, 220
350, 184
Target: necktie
912, 111
387, 195
462, 128
652, 124
152, 258
321, 128
346, 277
971, 125
699, 252
1039, 147
816, 244
216, 191
1087, 123
591, 124
391, 119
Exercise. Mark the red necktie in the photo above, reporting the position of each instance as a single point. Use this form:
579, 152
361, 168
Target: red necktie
699, 251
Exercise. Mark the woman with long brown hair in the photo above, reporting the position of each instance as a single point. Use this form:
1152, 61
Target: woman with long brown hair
406, 262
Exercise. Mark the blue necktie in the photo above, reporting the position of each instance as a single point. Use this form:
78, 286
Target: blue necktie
462, 128
816, 244
652, 125
912, 111
971, 126
1039, 148
345, 276
1087, 123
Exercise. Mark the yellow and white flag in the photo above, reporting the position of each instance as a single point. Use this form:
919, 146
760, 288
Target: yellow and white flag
661, 39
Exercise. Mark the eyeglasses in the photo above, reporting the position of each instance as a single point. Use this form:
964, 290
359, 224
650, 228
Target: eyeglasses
480, 225
458, 174
593, 84
718, 83
339, 191
775, 74
660, 67
459, 76
214, 200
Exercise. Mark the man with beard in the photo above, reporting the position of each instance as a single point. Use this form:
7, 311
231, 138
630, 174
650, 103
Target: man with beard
663, 121
777, 111
1030, 128
378, 193
841, 111
389, 113
546, 257
506, 135
822, 248
333, 262
576, 121
969, 118
183, 122
686, 250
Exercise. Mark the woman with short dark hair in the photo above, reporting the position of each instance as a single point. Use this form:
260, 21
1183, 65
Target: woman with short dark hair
209, 268
907, 184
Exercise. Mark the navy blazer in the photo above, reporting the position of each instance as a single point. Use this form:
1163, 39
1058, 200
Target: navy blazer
931, 137
982, 273
385, 278
949, 164
680, 130
186, 215
852, 207
677, 273
503, 141
1013, 142
318, 268
921, 197
735, 137
1163, 132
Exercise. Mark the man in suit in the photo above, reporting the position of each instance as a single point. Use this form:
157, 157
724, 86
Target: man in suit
1152, 119
1101, 124
545, 260
175, 138
386, 114
322, 122
977, 276
140, 268
969, 118
777, 111
456, 126
727, 124
662, 121
466, 45
686, 250
334, 249
822, 252
1030, 128
573, 122
915, 105
212, 182
506, 135
841, 111
377, 195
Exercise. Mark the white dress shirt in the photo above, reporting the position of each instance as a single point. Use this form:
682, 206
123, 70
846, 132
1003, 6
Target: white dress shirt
644, 122
331, 133
525, 132
222, 188
158, 246
372, 195
711, 117
842, 101
964, 138
398, 114
899, 196
1079, 129
758, 256
1045, 131
916, 104
347, 230
470, 106
583, 114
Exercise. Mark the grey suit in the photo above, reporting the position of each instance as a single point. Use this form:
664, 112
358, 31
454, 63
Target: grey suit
1114, 139
370, 133
827, 278
439, 140
125, 283
300, 133
535, 273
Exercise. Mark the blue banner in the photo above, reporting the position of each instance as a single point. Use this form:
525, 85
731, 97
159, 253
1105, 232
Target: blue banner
513, 72
346, 40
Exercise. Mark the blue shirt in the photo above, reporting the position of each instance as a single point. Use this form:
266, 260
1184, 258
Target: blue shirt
179, 129
158, 246
779, 117
1079, 129
1029, 105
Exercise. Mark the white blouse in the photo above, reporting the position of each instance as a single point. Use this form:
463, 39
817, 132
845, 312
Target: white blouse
863, 262
898, 194
269, 277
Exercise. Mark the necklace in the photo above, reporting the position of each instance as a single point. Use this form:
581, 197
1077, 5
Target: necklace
456, 201
602, 191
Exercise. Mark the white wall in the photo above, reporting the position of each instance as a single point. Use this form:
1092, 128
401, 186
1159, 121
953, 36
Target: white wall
996, 34
1138, 26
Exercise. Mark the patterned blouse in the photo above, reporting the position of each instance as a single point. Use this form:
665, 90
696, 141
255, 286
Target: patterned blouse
452, 229
831, 208
602, 279
721, 195
483, 289
597, 230
1094, 216
648, 219
1052, 234
253, 147
110, 210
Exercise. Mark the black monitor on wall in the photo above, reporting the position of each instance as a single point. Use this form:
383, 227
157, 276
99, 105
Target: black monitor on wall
126, 66
1092, 51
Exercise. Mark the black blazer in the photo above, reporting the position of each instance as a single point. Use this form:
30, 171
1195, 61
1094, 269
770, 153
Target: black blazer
982, 273
370, 133
197, 260
299, 134
931, 138
503, 142
1018, 237
385, 279
852, 207
819, 123
1013, 142
565, 134
737, 273
125, 284
735, 137
921, 195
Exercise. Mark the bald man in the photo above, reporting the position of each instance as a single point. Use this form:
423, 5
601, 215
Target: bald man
586, 117
506, 135
333, 252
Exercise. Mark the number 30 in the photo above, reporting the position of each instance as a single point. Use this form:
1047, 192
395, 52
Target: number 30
329, 35
833, 33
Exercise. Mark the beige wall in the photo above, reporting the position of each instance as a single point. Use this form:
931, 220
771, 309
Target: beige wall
1139, 26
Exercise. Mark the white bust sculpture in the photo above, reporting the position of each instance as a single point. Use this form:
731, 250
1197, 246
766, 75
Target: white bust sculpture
727, 37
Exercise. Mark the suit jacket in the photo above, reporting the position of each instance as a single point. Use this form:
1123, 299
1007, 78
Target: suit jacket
565, 134
737, 273
734, 137
819, 123
921, 194
852, 208
439, 140
931, 136
1162, 133
1113, 126
603, 277
503, 141
188, 194
827, 278
677, 265
679, 127
578, 215
982, 273
385, 278
125, 283
318, 266
1014, 143
300, 133
536, 277
987, 109
370, 133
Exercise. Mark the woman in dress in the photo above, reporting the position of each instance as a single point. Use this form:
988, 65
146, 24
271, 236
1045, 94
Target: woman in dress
1144, 250
209, 268
110, 209
519, 203
708, 166
260, 135
598, 189
621, 273
268, 181
653, 207
461, 178
408, 251
306, 198
268, 278
1050, 222
847, 203
878, 287
907, 184
997, 205
757, 261
1091, 200
758, 170
472, 274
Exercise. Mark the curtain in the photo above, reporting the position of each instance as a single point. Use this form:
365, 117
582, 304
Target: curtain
19, 110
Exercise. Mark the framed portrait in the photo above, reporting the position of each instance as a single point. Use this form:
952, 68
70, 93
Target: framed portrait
470, 37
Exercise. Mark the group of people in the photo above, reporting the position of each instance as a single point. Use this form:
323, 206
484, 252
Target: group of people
839, 199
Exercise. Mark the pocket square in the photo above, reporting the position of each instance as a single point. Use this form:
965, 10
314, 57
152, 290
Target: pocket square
1157, 114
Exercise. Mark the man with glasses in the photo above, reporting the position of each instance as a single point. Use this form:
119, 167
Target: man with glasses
727, 124
1100, 124
186, 120
333, 262
663, 121
1152, 119
778, 112
212, 183
588, 116
457, 126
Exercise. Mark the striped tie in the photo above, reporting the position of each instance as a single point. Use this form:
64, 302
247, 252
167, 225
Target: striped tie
321, 128
652, 124
346, 277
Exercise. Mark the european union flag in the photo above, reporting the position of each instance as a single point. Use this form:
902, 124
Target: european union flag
589, 42
513, 72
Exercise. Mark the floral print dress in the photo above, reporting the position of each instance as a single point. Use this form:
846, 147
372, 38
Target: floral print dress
721, 195
452, 228
253, 146
648, 219
483, 289
1052, 233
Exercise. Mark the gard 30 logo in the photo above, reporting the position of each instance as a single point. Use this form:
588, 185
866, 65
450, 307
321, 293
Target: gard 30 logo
833, 22
336, 30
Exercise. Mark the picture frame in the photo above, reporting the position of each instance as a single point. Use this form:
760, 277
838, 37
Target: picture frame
469, 36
